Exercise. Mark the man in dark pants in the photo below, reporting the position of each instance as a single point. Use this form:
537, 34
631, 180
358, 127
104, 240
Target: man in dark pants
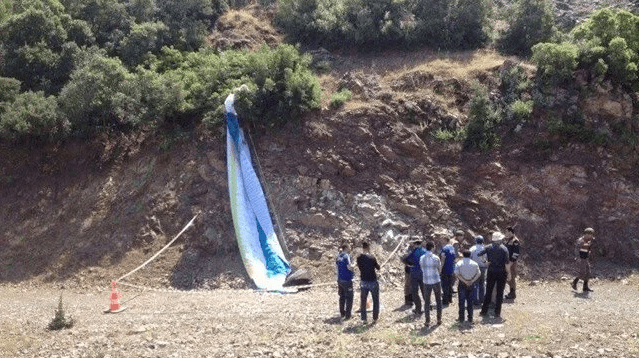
344, 282
416, 279
367, 265
497, 256
582, 249
512, 244
467, 271
447, 256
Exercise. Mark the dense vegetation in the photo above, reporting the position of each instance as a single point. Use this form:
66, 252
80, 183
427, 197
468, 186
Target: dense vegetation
372, 24
77, 68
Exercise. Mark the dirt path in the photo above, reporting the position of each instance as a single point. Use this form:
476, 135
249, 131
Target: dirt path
547, 320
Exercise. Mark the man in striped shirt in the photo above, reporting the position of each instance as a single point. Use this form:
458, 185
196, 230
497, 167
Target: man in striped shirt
431, 267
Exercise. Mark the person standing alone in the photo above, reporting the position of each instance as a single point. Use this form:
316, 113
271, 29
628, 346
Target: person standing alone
497, 255
512, 244
344, 282
582, 249
416, 279
367, 264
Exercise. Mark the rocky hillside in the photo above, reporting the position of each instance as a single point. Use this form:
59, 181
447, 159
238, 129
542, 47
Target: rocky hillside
83, 214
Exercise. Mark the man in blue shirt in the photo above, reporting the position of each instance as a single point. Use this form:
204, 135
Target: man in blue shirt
416, 280
344, 282
447, 255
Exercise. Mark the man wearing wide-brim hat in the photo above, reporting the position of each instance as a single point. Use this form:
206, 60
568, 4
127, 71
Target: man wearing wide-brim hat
497, 255
582, 251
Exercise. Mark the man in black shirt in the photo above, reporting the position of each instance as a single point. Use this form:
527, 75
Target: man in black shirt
497, 256
367, 265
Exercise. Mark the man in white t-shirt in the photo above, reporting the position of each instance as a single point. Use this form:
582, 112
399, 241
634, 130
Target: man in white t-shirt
467, 272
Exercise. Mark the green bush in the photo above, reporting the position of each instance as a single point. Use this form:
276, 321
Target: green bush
521, 110
608, 44
33, 115
60, 320
482, 131
533, 22
338, 99
374, 24
555, 62
101, 95
9, 89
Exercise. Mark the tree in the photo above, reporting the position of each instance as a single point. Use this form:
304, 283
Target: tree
33, 115
143, 38
533, 22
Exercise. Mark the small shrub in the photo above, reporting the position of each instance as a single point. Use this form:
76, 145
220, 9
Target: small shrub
521, 110
446, 135
33, 115
555, 62
482, 131
60, 320
338, 99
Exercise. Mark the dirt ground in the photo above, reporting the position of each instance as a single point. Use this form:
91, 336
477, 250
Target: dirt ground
547, 319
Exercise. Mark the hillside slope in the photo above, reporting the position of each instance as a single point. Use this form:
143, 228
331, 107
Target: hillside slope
86, 213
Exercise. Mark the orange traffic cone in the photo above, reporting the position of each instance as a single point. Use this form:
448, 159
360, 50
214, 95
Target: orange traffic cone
115, 306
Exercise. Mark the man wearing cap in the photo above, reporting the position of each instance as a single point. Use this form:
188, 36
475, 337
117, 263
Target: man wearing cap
431, 266
467, 271
480, 286
582, 250
512, 244
447, 255
497, 256
344, 282
416, 279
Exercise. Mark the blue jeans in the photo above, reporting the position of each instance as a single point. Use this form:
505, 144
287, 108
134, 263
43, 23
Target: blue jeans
373, 288
437, 289
465, 295
345, 291
479, 288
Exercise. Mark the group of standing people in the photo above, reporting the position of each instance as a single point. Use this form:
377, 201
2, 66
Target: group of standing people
479, 270
482, 271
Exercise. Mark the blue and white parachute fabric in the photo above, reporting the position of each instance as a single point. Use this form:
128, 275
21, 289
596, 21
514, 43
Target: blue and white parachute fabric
260, 249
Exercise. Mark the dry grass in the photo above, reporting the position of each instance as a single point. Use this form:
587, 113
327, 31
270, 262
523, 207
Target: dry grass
459, 64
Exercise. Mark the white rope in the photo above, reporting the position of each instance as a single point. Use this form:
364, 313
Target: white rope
392, 253
162, 250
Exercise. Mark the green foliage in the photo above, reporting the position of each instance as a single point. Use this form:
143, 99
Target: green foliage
143, 38
37, 50
188, 21
6, 8
575, 130
608, 45
533, 22
338, 99
468, 24
445, 135
60, 320
482, 131
555, 62
371, 24
101, 94
521, 110
9, 89
32, 115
